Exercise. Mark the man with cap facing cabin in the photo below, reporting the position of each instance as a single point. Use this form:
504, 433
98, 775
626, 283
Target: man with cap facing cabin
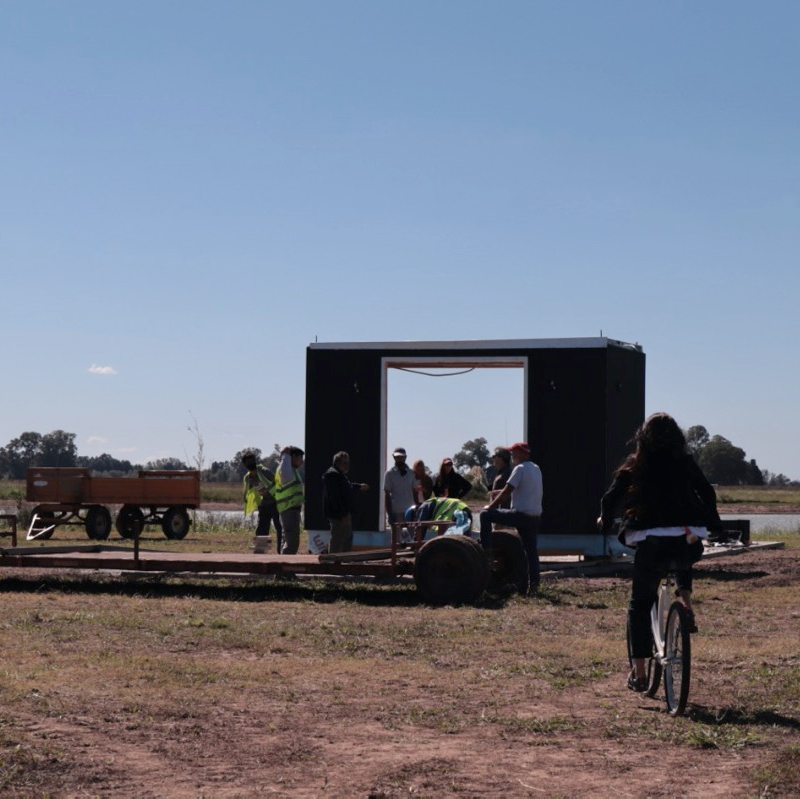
525, 488
398, 487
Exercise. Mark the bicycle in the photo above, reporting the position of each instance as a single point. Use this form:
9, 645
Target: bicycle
672, 647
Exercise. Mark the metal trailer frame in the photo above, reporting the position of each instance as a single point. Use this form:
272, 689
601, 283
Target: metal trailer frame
447, 568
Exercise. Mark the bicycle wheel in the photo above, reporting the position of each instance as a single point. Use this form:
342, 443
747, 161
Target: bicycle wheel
653, 667
678, 655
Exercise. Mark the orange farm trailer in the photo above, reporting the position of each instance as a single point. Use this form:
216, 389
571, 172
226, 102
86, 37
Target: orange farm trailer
73, 496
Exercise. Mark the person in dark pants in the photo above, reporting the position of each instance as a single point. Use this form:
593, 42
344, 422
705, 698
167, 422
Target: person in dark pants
259, 494
338, 504
526, 490
666, 507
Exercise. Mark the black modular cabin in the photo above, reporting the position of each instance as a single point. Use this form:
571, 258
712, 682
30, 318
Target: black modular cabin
583, 400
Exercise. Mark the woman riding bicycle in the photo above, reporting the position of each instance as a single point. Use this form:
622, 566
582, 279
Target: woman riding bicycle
666, 506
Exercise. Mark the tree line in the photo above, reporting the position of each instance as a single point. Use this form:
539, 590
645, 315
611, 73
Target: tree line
721, 461
59, 449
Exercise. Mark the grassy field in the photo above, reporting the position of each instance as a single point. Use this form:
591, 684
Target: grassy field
165, 686
171, 688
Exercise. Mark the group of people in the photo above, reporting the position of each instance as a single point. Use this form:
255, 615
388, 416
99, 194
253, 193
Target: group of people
404, 487
660, 498
516, 497
278, 496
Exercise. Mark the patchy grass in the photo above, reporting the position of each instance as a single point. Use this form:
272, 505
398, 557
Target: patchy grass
780, 776
352, 688
766, 496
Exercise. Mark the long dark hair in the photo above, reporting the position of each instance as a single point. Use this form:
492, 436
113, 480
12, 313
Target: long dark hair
660, 446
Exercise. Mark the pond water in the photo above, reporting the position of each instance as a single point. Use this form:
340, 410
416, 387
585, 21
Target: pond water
759, 522
783, 522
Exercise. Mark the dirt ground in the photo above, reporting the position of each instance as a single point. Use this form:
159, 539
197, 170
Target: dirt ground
467, 723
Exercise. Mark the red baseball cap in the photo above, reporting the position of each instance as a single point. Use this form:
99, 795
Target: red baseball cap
520, 446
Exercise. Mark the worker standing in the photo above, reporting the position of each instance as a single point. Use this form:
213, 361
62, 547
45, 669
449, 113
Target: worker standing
289, 497
338, 503
259, 494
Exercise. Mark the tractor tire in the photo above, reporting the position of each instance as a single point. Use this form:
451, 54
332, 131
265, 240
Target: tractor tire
508, 562
448, 571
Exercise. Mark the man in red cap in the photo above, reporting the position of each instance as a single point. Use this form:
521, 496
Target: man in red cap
525, 488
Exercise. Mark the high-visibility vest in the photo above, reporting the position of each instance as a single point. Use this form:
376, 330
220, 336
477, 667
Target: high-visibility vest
252, 493
288, 495
445, 509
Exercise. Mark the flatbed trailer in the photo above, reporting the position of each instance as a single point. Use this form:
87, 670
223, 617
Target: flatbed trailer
442, 576
447, 569
71, 495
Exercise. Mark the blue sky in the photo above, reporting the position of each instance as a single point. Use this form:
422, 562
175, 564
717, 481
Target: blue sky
193, 192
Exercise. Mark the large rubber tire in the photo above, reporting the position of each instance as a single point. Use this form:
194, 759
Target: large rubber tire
46, 519
678, 666
481, 561
449, 571
508, 562
175, 523
130, 521
97, 523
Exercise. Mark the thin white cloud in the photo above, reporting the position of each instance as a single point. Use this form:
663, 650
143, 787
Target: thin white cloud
102, 370
97, 440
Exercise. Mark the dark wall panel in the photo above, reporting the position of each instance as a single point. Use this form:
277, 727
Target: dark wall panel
566, 425
343, 412
625, 403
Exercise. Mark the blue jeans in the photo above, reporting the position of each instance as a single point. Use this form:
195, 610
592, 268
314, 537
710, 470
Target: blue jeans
527, 527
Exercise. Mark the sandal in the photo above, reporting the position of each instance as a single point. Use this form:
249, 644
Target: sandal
638, 684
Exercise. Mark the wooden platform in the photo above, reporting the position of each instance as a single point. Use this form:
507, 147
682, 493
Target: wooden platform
108, 558
124, 559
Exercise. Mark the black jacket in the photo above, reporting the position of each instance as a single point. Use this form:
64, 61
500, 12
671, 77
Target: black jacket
337, 494
673, 492
452, 485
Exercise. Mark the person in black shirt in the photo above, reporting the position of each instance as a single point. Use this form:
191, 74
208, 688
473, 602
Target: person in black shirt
338, 502
666, 506
449, 483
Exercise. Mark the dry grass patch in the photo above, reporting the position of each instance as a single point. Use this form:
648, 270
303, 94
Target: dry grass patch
230, 688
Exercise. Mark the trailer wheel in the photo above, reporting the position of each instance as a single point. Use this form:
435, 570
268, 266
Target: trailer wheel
175, 523
508, 562
130, 521
98, 523
447, 571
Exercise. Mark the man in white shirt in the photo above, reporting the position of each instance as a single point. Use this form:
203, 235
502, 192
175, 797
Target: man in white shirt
526, 490
398, 487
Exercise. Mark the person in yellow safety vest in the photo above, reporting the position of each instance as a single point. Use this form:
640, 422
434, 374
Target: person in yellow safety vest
443, 509
259, 494
289, 497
